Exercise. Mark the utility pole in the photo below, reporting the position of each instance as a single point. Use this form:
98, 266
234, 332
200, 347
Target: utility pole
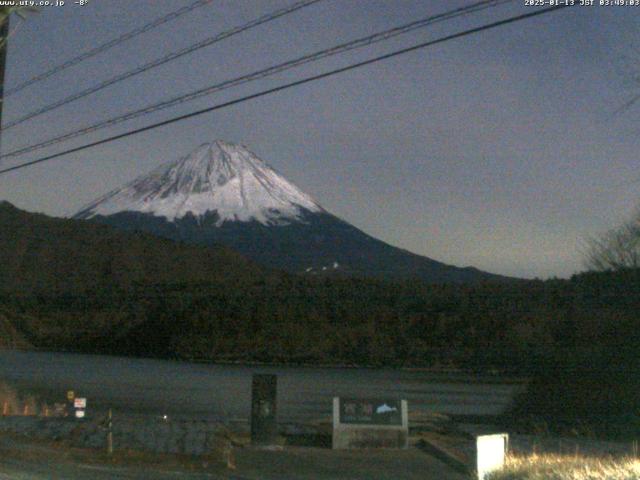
4, 38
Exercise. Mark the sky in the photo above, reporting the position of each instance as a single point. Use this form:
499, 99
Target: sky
505, 150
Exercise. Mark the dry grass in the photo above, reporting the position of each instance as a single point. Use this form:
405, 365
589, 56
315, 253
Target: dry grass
13, 403
564, 467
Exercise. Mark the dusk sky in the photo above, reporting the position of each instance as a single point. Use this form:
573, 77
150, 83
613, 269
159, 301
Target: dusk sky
504, 150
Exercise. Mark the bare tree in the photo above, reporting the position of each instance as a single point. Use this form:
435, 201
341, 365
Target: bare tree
20, 11
5, 12
617, 249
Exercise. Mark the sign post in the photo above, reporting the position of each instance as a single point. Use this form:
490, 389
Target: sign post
69, 408
370, 423
263, 410
491, 453
109, 433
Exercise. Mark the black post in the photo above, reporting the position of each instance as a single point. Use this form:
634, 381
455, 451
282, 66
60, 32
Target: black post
263, 410
109, 433
70, 410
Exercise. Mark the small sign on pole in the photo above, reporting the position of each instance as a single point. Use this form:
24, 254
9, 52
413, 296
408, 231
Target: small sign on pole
79, 406
491, 453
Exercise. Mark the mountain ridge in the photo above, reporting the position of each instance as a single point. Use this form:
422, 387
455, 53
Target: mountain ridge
221, 193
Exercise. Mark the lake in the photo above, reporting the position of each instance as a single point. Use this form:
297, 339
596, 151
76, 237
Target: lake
158, 387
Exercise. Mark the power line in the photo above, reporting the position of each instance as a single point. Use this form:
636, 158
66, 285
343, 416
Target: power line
162, 60
286, 86
106, 46
313, 57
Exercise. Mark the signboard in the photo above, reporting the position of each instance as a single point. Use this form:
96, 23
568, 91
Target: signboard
79, 413
370, 411
370, 423
80, 403
491, 452
71, 395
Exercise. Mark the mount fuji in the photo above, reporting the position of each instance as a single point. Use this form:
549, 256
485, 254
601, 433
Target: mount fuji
222, 193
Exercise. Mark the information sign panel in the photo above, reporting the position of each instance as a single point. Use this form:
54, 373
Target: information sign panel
370, 423
369, 411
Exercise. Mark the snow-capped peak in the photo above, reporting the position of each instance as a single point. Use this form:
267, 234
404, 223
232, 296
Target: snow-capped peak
218, 177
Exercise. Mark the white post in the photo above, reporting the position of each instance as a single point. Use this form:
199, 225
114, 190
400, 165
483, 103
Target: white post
490, 452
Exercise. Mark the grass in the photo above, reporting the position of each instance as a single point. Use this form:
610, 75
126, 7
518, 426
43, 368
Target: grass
564, 467
12, 403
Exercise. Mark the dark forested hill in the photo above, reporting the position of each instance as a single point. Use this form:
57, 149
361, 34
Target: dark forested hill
49, 256
72, 285
67, 284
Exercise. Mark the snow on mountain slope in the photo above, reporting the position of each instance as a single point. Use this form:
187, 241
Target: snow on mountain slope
217, 177
222, 194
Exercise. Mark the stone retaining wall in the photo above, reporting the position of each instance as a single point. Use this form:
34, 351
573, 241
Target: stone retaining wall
155, 435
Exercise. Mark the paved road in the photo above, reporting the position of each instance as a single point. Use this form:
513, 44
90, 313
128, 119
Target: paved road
19, 470
324, 464
22, 460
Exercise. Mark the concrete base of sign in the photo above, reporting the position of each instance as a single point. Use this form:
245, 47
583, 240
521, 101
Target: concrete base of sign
352, 436
369, 437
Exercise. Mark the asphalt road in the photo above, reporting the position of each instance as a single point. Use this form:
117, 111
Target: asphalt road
20, 459
19, 470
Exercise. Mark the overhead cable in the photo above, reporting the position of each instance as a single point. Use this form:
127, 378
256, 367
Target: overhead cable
286, 86
161, 61
313, 57
106, 46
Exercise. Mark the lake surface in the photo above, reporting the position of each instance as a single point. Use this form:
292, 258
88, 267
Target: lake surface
184, 389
